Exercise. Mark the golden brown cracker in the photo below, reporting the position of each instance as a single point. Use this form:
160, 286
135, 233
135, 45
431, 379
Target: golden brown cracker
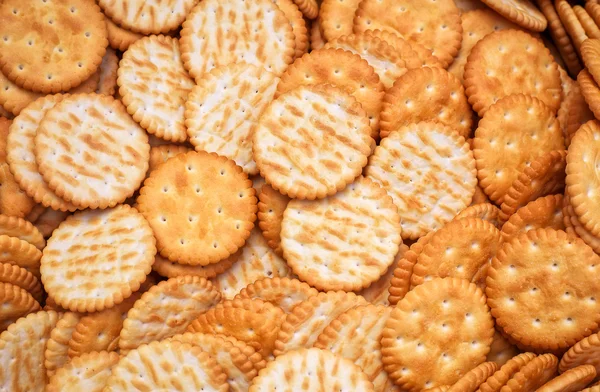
16, 303
485, 211
542, 212
521, 12
570, 381
147, 17
533, 375
501, 350
271, 206
57, 348
282, 292
499, 379
13, 200
22, 278
337, 17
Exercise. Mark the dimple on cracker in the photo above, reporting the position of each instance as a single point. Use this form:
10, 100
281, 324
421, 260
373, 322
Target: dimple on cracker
337, 17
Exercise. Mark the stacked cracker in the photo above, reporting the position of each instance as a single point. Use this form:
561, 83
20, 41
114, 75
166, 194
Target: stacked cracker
359, 195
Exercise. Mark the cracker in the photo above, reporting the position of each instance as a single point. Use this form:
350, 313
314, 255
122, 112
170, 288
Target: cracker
224, 107
57, 348
22, 278
80, 268
5, 124
181, 367
5, 114
209, 206
355, 335
414, 54
317, 41
386, 62
378, 292
590, 91
22, 229
153, 100
255, 305
18, 252
471, 381
309, 8
234, 357
106, 159
429, 171
582, 174
255, 261
256, 32
461, 249
49, 220
571, 23
543, 212
417, 353
13, 200
271, 206
435, 26
118, 37
16, 303
499, 379
316, 149
337, 17
171, 269
537, 278
35, 213
90, 85
476, 24
90, 372
513, 132
533, 375
160, 154
511, 62
521, 12
573, 380
14, 98
573, 113
469, 5
284, 293
296, 19
586, 21
582, 353
166, 310
107, 82
426, 94
22, 352
344, 242
485, 211
311, 369
544, 176
575, 228
147, 17
501, 350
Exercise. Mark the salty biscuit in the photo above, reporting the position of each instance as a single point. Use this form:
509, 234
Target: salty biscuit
256, 32
414, 54
582, 176
586, 21
284, 293
574, 227
469, 5
299, 27
476, 24
166, 310
344, 242
312, 150
429, 171
22, 352
90, 85
536, 268
533, 375
147, 17
510, 62
5, 114
355, 335
16, 303
235, 357
581, 353
435, 26
57, 348
88, 372
80, 268
571, 23
501, 351
485, 211
499, 379
590, 50
543, 212
118, 37
521, 12
171, 269
590, 91
223, 109
309, 318
570, 381
107, 71
512, 133
254, 305
18, 252
4, 127
460, 249
210, 206
22, 229
417, 353
156, 102
49, 220
471, 381
90, 152
317, 41
160, 154
271, 206
479, 196
34, 62
256, 260
386, 62
182, 367
343, 69
337, 17
21, 155
13, 200
426, 94
573, 113
545, 175
14, 98
378, 292
22, 278
311, 369
309, 8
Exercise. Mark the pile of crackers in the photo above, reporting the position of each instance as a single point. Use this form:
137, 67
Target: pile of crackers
287, 195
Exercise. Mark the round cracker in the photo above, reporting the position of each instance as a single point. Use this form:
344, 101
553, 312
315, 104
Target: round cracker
18, 252
429, 171
317, 41
189, 368
573, 113
471, 381
14, 98
171, 269
49, 220
414, 54
521, 12
511, 62
436, 24
284, 293
417, 353
512, 133
543, 212
296, 19
22, 278
312, 141
531, 278
118, 37
499, 379
16, 303
584, 352
89, 372
34, 62
147, 17
426, 94
13, 200
271, 206
485, 211
224, 107
590, 91
57, 348
575, 228
337, 17
17, 227
501, 351
533, 375
153, 100
570, 381
311, 369
309, 318
206, 212
166, 310
378, 292
571, 23
160, 154
309, 8
257, 32
586, 21
344, 242
80, 268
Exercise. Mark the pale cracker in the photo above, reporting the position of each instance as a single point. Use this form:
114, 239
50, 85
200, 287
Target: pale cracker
414, 54
284, 293
88, 372
378, 292
57, 347
16, 303
299, 27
